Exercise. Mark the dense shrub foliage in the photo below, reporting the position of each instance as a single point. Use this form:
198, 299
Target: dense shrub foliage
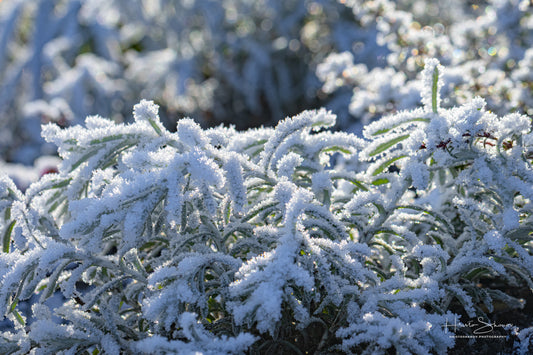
285, 239
239, 61
486, 47
250, 62
151, 237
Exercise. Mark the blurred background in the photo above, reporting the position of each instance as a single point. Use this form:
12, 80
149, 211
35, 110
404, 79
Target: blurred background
247, 62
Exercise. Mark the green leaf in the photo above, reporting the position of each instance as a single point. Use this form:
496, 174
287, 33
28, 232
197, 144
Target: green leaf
183, 223
386, 164
255, 144
380, 207
522, 233
442, 177
7, 236
322, 123
19, 318
388, 231
71, 141
61, 184
55, 196
107, 139
431, 213
258, 145
383, 244
13, 305
380, 181
434, 89
357, 183
385, 130
227, 213
524, 275
437, 239
380, 273
82, 159
52, 281
269, 206
155, 127
386, 145
337, 148
476, 273
56, 204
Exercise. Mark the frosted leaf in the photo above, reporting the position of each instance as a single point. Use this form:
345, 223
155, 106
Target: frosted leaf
235, 182
174, 204
418, 173
524, 340
321, 181
362, 198
511, 219
68, 287
374, 328
425, 251
283, 192
109, 345
204, 169
41, 311
483, 171
94, 122
190, 133
5, 184
465, 300
100, 179
266, 301
514, 123
146, 111
199, 341
147, 219
288, 163
495, 241
465, 119
222, 136
298, 201
433, 83
134, 224
291, 126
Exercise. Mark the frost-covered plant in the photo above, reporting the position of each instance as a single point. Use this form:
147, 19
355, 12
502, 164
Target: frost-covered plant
248, 62
485, 46
50, 73
240, 61
285, 239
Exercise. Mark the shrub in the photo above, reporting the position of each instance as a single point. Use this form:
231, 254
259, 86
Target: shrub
247, 62
486, 47
239, 61
291, 238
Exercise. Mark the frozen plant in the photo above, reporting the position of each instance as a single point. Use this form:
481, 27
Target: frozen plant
485, 46
272, 240
240, 61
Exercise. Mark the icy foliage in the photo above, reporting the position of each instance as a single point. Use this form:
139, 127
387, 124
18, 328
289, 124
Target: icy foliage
270, 240
240, 61
486, 47
250, 62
